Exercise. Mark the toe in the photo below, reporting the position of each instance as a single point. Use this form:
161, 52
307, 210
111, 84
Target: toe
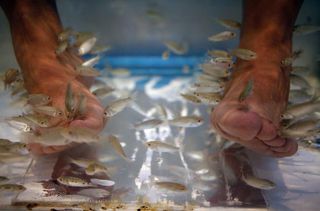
276, 142
288, 149
238, 122
267, 132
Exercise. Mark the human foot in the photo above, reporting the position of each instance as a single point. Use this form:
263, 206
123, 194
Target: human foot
254, 122
35, 26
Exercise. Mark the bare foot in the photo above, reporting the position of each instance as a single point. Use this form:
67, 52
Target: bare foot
35, 26
254, 122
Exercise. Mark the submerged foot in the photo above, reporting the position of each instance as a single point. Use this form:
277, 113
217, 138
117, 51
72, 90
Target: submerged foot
254, 122
51, 78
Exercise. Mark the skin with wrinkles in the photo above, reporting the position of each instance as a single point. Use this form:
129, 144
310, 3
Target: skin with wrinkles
254, 122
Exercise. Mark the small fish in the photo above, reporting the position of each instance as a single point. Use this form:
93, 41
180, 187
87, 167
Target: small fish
219, 53
80, 135
48, 110
248, 89
17, 87
222, 36
171, 186
212, 98
191, 98
3, 179
10, 76
187, 121
103, 92
244, 54
17, 148
115, 143
96, 168
117, 106
65, 34
73, 181
106, 183
5, 142
162, 112
210, 88
62, 46
51, 137
229, 24
91, 62
165, 55
98, 49
70, 103
87, 45
287, 61
38, 99
161, 146
81, 37
305, 29
12, 188
299, 96
94, 192
301, 109
87, 71
215, 72
175, 47
148, 124
299, 81
38, 120
120, 72
81, 162
257, 182
82, 106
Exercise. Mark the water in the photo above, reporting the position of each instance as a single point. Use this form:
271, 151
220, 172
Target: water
209, 174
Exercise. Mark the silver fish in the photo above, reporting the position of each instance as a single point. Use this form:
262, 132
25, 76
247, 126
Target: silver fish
62, 47
244, 54
299, 110
148, 124
257, 182
48, 110
82, 106
87, 45
299, 81
51, 137
12, 188
10, 76
38, 120
175, 47
191, 98
171, 186
305, 29
222, 36
94, 192
106, 183
229, 24
115, 143
73, 181
187, 121
98, 49
161, 146
117, 106
96, 168
65, 34
87, 71
219, 53
80, 135
165, 55
103, 92
70, 103
91, 62
38, 99
120, 72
